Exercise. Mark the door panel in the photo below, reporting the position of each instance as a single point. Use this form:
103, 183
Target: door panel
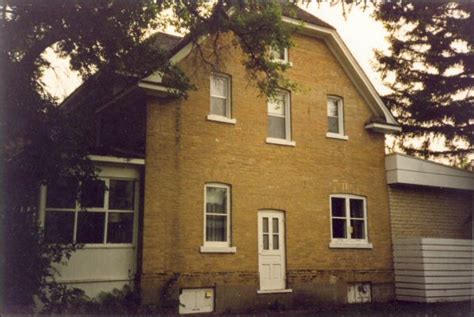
271, 250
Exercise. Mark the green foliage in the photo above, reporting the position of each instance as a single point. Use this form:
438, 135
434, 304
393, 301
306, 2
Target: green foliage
117, 302
27, 260
431, 62
43, 143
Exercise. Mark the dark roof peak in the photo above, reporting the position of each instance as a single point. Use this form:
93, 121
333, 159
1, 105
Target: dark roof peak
296, 12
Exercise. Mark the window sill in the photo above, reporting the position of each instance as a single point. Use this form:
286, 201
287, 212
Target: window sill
213, 117
350, 245
205, 249
282, 62
337, 136
274, 291
109, 246
280, 142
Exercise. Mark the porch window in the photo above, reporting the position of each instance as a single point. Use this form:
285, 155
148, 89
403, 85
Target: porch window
104, 214
348, 219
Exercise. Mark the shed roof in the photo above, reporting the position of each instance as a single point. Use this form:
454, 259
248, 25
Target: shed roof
409, 170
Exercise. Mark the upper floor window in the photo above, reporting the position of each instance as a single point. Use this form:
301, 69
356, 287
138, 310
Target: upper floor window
104, 215
335, 117
348, 221
279, 55
279, 121
221, 99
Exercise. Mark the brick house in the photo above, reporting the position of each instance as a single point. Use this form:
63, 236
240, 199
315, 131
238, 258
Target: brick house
228, 200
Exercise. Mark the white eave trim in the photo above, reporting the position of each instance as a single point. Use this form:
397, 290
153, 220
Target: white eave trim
156, 89
407, 170
383, 128
155, 79
115, 159
349, 64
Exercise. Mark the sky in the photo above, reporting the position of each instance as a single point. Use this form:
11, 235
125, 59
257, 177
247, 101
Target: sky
359, 30
361, 33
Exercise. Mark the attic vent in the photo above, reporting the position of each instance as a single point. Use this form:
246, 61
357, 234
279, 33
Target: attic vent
196, 300
359, 293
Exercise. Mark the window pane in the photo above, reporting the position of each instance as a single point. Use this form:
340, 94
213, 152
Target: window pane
90, 227
276, 104
338, 207
276, 244
93, 194
218, 106
121, 194
333, 110
120, 227
277, 53
216, 200
265, 224
358, 229
357, 208
219, 86
59, 226
62, 194
333, 125
276, 127
339, 228
216, 228
266, 244
275, 225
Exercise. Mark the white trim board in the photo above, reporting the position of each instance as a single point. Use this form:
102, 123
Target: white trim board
404, 169
115, 159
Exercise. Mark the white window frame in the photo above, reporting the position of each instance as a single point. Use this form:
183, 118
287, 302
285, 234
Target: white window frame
340, 111
349, 242
218, 246
228, 117
104, 209
287, 140
278, 60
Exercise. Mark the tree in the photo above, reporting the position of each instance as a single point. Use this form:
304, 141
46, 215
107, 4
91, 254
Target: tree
42, 143
429, 69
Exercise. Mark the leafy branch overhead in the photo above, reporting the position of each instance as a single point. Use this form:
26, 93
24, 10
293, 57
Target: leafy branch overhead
43, 143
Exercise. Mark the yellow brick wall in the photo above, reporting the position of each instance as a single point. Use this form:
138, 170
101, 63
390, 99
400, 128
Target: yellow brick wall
418, 211
184, 151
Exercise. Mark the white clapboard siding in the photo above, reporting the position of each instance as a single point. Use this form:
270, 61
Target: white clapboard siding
432, 260
432, 273
433, 279
433, 270
430, 286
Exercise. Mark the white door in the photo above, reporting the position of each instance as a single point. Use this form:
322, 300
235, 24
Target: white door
271, 250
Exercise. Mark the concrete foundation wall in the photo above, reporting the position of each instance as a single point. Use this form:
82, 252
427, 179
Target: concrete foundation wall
237, 291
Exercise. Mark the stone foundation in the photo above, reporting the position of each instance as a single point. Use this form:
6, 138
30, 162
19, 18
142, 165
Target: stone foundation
237, 291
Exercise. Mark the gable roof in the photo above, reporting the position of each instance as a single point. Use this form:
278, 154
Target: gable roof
383, 121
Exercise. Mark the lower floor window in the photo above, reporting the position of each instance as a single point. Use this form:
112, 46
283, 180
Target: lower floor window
217, 214
104, 213
348, 218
